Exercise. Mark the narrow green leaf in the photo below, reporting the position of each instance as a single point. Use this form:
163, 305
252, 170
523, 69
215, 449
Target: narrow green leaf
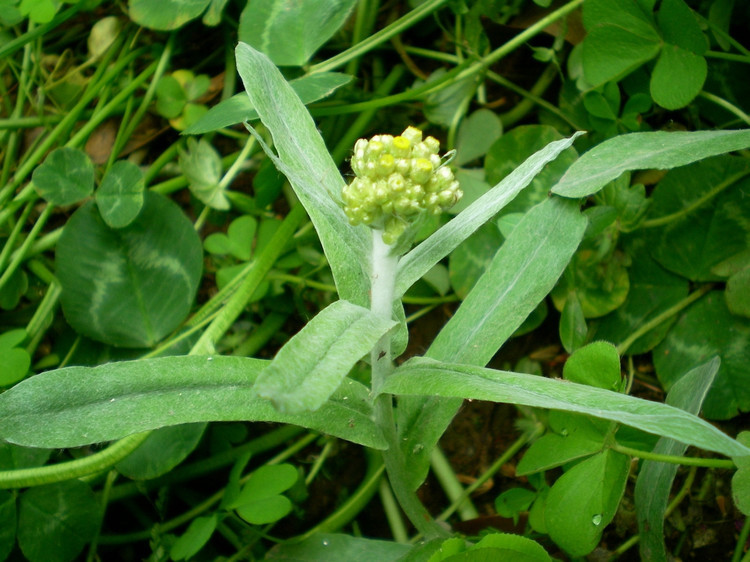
523, 271
311, 365
425, 377
304, 159
655, 478
635, 151
340, 548
239, 108
421, 259
80, 405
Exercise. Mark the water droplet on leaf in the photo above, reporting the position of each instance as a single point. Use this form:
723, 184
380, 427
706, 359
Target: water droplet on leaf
597, 519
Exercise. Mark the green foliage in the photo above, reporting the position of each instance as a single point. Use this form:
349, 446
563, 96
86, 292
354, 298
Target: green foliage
65, 177
624, 35
56, 521
290, 32
16, 360
583, 501
120, 195
655, 479
207, 306
131, 286
260, 501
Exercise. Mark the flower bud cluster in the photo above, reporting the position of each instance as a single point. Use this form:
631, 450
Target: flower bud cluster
396, 179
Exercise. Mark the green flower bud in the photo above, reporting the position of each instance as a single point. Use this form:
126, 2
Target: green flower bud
396, 179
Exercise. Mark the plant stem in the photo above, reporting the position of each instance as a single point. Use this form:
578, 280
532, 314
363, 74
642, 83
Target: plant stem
92, 464
236, 303
355, 502
672, 459
382, 281
401, 24
443, 471
393, 513
666, 315
741, 540
697, 203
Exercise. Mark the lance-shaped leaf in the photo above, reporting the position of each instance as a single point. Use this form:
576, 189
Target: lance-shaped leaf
422, 376
636, 151
523, 271
77, 406
311, 366
239, 108
305, 161
655, 478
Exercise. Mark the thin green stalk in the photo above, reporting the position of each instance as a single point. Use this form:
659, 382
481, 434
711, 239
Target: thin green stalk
236, 167
104, 501
741, 541
401, 24
355, 502
262, 264
730, 107
517, 445
672, 459
20, 254
697, 203
443, 471
259, 337
727, 56
664, 316
206, 504
11, 47
43, 316
393, 513
320, 459
10, 241
70, 470
463, 71
12, 144
201, 468
125, 132
364, 22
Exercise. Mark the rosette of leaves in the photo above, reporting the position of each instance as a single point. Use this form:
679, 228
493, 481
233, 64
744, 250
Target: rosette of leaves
397, 178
